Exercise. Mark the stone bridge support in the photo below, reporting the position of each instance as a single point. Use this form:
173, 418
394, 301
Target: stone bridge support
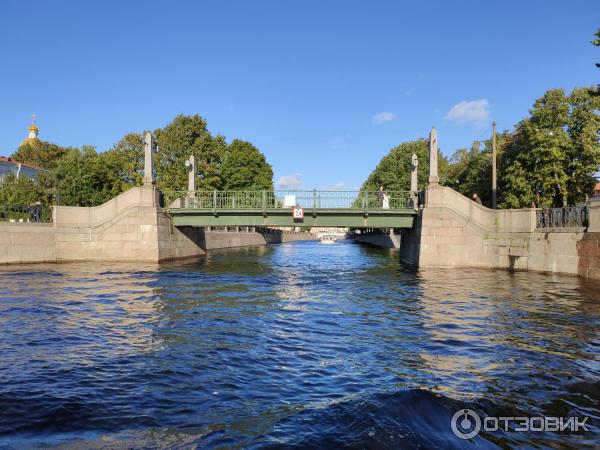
133, 227
454, 231
130, 227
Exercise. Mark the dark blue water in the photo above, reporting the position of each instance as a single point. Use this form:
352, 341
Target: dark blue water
292, 346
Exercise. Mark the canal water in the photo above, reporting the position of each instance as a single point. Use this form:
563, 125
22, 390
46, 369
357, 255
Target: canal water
296, 345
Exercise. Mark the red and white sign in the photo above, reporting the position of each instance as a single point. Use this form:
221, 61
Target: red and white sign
298, 213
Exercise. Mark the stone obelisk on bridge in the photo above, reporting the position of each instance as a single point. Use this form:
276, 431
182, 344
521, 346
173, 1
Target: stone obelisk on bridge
434, 178
149, 149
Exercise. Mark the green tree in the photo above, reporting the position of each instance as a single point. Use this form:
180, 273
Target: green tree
126, 161
554, 154
24, 191
84, 178
521, 192
44, 155
469, 172
583, 155
393, 171
244, 167
184, 136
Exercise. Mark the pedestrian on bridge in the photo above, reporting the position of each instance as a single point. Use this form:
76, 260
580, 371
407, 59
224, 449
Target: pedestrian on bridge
384, 198
476, 198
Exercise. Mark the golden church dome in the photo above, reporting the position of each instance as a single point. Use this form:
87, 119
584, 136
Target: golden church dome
32, 139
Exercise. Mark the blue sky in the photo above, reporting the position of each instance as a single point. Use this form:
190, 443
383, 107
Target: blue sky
323, 88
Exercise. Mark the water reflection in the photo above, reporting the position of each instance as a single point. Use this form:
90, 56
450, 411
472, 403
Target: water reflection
242, 347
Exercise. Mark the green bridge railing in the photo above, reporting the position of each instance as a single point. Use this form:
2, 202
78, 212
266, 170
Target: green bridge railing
261, 200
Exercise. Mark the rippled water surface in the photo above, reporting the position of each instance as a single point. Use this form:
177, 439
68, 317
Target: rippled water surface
295, 345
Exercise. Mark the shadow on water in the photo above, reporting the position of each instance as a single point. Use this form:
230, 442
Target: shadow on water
291, 346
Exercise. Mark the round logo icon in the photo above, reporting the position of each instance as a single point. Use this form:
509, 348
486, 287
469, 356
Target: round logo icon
465, 424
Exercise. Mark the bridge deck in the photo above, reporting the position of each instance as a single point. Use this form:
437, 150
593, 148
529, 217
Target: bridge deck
274, 208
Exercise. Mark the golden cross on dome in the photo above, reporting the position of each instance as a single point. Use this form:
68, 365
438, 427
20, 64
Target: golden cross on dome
33, 117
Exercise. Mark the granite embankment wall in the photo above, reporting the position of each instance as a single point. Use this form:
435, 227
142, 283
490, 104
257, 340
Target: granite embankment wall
130, 227
453, 231
27, 243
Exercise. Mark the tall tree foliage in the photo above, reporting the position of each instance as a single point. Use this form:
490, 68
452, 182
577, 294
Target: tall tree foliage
184, 136
24, 191
555, 154
583, 155
244, 167
84, 178
469, 172
393, 171
126, 160
44, 155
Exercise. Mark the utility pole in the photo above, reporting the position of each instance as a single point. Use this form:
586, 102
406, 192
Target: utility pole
494, 180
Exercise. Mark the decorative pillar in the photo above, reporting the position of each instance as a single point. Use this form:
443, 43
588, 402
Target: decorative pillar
149, 150
190, 163
413, 180
434, 178
593, 206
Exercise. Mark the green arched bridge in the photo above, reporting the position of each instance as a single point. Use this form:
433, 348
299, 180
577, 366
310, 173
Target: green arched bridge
357, 209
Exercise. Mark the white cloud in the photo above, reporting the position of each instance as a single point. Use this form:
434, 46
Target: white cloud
337, 186
383, 117
290, 181
475, 111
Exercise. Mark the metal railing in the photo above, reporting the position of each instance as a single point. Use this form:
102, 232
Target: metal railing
571, 217
32, 213
287, 199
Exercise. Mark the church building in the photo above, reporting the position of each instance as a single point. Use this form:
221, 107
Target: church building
8, 165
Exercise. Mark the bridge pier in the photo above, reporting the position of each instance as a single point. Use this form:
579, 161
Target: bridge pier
454, 231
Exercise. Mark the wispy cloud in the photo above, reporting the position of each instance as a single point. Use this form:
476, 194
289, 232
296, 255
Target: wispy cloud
383, 117
473, 111
338, 186
409, 92
293, 181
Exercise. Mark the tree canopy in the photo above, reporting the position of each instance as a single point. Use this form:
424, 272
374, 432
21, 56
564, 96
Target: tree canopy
244, 167
393, 171
126, 160
85, 177
185, 136
24, 191
470, 170
550, 158
44, 155
554, 154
